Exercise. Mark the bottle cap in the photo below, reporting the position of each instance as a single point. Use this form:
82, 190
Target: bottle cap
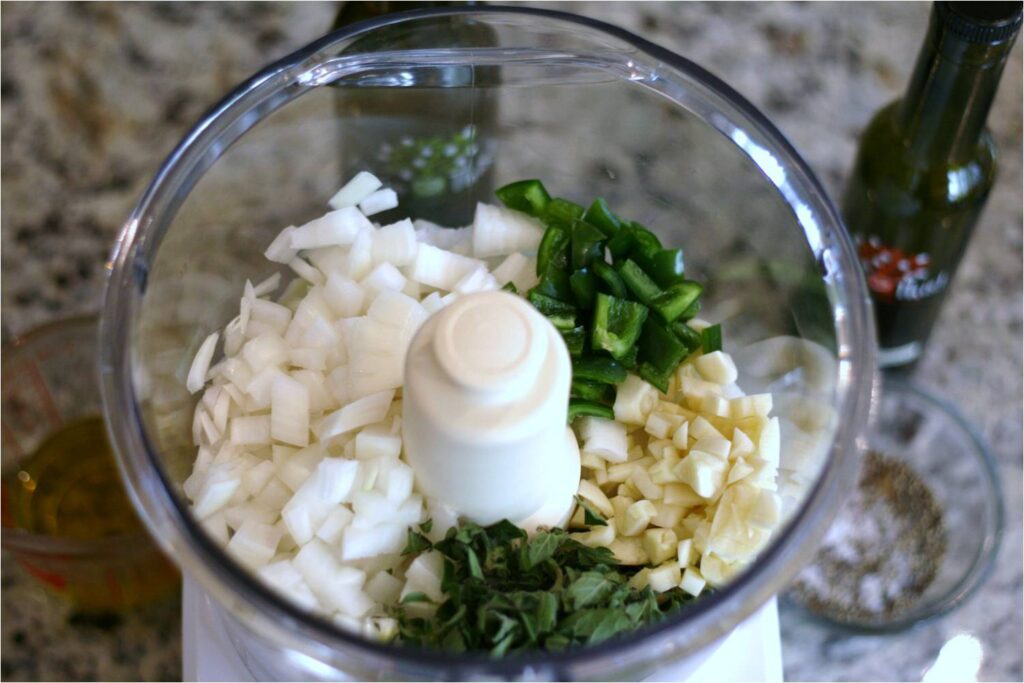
981, 22
484, 409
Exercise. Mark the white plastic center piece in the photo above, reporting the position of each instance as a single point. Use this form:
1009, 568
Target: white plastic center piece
484, 412
487, 341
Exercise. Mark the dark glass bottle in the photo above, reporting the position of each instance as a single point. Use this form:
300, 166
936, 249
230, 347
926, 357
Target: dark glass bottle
434, 143
924, 169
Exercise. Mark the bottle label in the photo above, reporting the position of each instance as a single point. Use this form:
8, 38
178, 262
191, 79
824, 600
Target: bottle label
894, 275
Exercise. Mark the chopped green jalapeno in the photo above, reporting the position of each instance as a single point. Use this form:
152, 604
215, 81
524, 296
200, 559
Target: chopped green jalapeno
687, 335
673, 302
554, 282
562, 213
587, 244
592, 391
711, 339
660, 347
638, 282
617, 324
600, 216
575, 340
598, 369
609, 280
579, 407
510, 287
584, 288
553, 249
528, 196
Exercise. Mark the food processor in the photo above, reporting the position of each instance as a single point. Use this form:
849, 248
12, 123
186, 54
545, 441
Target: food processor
593, 111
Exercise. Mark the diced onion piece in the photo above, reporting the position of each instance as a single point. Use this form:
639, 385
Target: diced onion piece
381, 200
359, 413
383, 539
344, 296
258, 477
251, 430
361, 186
425, 574
384, 588
395, 244
518, 269
477, 280
215, 495
334, 229
441, 269
274, 315
254, 543
201, 364
280, 250
383, 278
264, 351
289, 411
498, 231
306, 271
377, 443
334, 525
360, 256
267, 286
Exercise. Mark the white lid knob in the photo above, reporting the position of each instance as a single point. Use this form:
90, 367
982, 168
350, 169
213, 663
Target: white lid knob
484, 410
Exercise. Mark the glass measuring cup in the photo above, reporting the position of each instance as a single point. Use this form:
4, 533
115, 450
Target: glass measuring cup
98, 560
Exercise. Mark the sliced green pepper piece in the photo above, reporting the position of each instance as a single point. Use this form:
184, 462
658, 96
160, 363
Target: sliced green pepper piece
711, 339
592, 391
621, 244
554, 282
674, 301
579, 407
665, 266
553, 249
691, 311
584, 288
645, 242
562, 213
598, 369
528, 196
659, 347
629, 360
654, 377
638, 282
617, 325
510, 287
587, 244
575, 340
687, 335
600, 216
610, 280
561, 314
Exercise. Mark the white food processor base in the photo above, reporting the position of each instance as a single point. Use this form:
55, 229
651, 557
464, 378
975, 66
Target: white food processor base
752, 652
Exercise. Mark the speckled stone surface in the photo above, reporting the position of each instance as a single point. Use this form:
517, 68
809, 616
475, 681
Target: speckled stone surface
95, 95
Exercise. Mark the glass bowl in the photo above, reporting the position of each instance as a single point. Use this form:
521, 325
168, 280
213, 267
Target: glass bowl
590, 109
944, 450
50, 383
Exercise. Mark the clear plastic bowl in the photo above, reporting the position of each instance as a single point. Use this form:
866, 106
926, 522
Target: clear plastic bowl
946, 452
50, 382
592, 110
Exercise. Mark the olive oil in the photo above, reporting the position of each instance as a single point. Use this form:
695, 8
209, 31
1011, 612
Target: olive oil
70, 487
924, 168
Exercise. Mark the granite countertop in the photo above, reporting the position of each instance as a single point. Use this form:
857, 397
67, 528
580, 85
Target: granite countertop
94, 95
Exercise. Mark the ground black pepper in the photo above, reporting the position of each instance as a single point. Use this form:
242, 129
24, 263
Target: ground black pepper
883, 550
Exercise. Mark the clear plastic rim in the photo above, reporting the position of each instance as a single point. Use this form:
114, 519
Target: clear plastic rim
984, 561
171, 523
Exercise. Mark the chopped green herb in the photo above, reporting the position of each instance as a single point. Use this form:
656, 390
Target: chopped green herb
590, 516
506, 593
